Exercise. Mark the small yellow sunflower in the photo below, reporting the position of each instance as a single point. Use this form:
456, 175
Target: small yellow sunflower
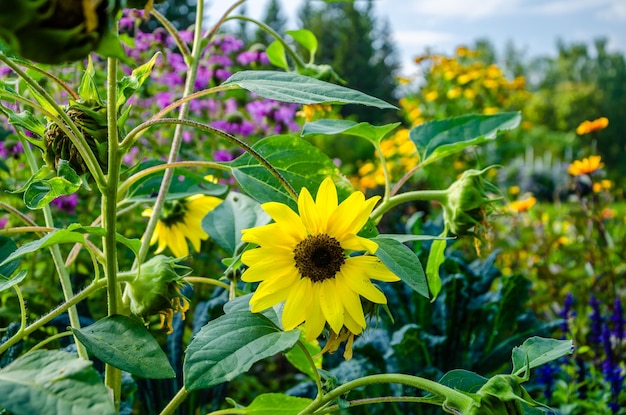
587, 127
182, 220
585, 166
307, 260
522, 205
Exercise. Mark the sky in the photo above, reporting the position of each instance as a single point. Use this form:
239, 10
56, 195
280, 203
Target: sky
441, 25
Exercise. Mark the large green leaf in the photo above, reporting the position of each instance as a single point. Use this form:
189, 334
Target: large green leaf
126, 344
307, 39
225, 223
7, 246
47, 382
438, 139
40, 193
229, 345
300, 163
276, 404
73, 234
463, 380
6, 283
373, 133
403, 262
537, 351
300, 89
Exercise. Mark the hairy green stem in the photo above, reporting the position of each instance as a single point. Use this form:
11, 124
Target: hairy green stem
125, 186
57, 258
453, 398
175, 402
434, 195
177, 140
180, 43
112, 375
296, 58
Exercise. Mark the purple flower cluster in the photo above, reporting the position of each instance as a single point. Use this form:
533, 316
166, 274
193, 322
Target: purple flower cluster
66, 203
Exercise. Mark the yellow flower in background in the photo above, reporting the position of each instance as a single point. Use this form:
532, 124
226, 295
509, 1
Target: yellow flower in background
313, 111
585, 166
304, 260
522, 205
181, 220
587, 127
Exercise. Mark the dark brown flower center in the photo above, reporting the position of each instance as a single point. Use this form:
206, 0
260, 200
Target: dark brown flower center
319, 257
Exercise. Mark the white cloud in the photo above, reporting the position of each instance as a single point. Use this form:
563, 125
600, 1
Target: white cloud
615, 11
471, 9
412, 38
561, 7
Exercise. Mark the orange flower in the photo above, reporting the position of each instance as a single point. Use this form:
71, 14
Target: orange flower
587, 127
585, 166
522, 205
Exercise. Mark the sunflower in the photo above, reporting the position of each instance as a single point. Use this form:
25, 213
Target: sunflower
309, 260
182, 220
585, 166
522, 205
587, 127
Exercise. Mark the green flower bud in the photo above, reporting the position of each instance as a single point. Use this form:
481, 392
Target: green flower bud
156, 290
90, 118
468, 202
57, 31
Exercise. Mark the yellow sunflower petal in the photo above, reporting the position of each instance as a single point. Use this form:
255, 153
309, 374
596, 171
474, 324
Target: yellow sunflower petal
297, 304
351, 214
263, 255
156, 233
326, 200
177, 242
358, 243
271, 292
288, 221
351, 302
267, 235
190, 234
309, 213
331, 304
268, 269
357, 279
315, 320
352, 325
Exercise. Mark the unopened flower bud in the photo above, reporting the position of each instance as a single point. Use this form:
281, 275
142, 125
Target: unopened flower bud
468, 202
156, 290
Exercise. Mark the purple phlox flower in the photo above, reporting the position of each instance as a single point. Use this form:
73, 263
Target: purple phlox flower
130, 158
222, 74
227, 43
187, 136
3, 221
164, 98
219, 60
176, 61
241, 127
566, 313
66, 203
222, 155
253, 56
5, 70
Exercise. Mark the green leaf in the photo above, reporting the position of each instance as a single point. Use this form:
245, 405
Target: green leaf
537, 351
276, 55
88, 90
366, 130
463, 380
40, 193
229, 345
276, 403
225, 223
299, 89
438, 139
128, 85
7, 246
299, 162
307, 39
73, 234
47, 382
27, 120
435, 259
126, 344
403, 262
6, 283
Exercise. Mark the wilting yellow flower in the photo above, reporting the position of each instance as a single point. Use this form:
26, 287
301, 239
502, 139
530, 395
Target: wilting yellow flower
587, 127
182, 220
585, 166
307, 261
522, 205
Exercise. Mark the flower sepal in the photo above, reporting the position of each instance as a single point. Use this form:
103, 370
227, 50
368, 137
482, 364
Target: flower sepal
156, 289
